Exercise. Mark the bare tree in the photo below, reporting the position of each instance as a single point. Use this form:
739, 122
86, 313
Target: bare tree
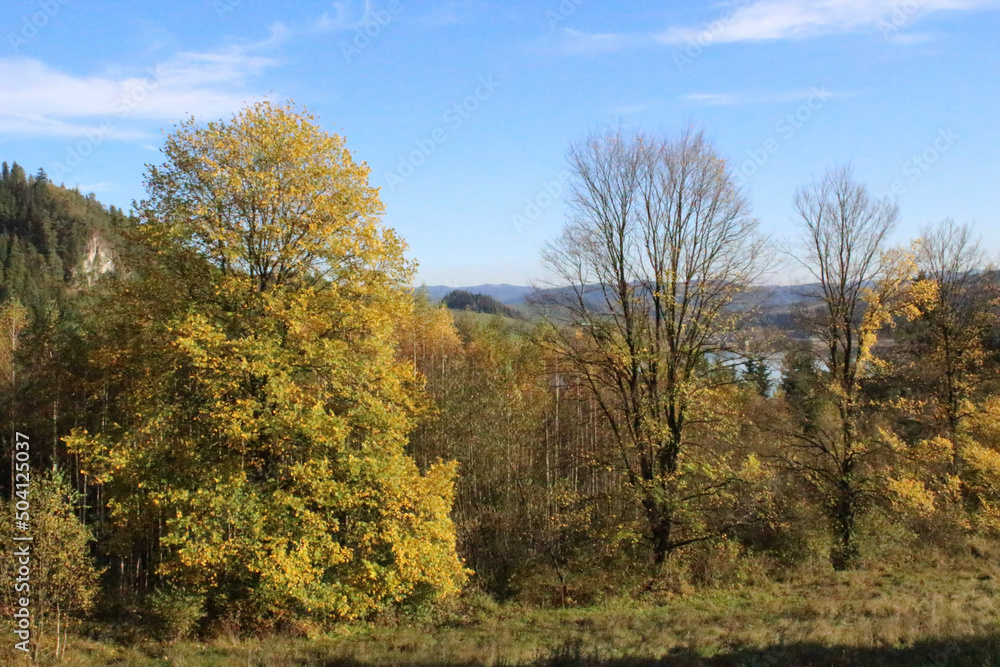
957, 319
861, 285
659, 244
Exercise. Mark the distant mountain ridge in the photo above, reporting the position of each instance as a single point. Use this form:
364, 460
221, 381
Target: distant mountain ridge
508, 295
774, 306
478, 303
774, 296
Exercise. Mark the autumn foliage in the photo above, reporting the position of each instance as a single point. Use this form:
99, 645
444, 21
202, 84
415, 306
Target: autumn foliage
255, 423
259, 452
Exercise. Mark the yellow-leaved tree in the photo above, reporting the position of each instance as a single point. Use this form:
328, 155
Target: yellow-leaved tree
253, 456
862, 287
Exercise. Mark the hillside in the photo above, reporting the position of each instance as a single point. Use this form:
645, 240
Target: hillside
477, 303
508, 295
51, 238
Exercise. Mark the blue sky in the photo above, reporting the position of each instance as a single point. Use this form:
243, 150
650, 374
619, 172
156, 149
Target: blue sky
464, 109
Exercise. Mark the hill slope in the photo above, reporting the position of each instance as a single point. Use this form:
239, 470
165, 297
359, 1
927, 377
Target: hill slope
51, 238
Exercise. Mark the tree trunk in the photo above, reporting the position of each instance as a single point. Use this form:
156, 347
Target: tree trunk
845, 549
661, 526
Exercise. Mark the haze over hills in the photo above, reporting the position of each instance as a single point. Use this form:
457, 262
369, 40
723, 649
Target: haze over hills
774, 296
774, 305
508, 295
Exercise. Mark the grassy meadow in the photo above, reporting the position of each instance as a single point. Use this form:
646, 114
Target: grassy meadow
945, 613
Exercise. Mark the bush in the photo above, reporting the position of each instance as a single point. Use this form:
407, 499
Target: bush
175, 614
63, 577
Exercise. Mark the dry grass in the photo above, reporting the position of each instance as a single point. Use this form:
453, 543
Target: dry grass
928, 616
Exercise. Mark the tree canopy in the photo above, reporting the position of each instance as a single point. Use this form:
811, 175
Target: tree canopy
259, 453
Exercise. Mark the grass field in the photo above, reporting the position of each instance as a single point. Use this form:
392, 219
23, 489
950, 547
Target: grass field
945, 615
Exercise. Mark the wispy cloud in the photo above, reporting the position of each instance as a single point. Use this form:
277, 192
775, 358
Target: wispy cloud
905, 38
349, 15
37, 99
770, 20
765, 20
574, 41
630, 110
26, 124
743, 99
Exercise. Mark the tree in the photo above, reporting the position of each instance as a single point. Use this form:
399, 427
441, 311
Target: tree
256, 458
536, 515
757, 373
944, 364
659, 245
862, 286
63, 582
14, 318
956, 321
479, 303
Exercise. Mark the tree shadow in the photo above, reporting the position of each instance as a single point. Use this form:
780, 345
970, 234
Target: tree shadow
973, 651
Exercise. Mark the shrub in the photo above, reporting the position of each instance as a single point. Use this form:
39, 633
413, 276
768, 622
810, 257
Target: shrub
63, 577
174, 614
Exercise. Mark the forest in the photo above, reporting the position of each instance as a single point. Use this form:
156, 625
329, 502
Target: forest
243, 421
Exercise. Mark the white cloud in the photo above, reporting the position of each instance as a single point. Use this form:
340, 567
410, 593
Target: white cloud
574, 41
713, 99
906, 38
740, 99
769, 20
12, 122
630, 110
353, 14
37, 99
764, 20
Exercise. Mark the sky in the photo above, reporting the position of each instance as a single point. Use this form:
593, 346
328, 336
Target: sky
465, 109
